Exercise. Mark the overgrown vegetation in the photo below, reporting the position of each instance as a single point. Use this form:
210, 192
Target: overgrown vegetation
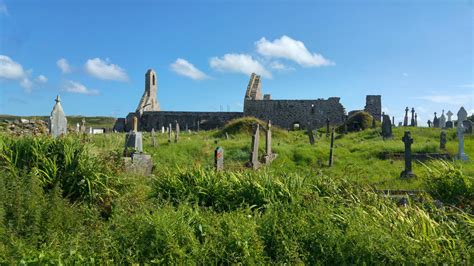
295, 211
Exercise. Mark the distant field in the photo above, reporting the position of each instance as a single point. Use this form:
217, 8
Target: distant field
93, 121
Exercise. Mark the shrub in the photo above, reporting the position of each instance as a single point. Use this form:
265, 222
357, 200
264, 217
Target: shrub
358, 121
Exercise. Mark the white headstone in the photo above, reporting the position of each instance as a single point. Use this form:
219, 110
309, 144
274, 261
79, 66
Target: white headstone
57, 120
449, 114
462, 115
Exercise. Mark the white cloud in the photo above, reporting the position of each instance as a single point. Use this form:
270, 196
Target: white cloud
10, 69
453, 99
104, 70
41, 79
3, 9
184, 68
26, 84
276, 65
239, 63
76, 87
291, 49
63, 65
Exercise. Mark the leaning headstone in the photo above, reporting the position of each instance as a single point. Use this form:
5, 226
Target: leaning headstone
170, 130
442, 120
405, 119
133, 140
311, 136
269, 155
467, 124
435, 121
412, 123
254, 163
408, 140
462, 116
331, 148
386, 127
153, 137
219, 158
176, 134
57, 120
442, 140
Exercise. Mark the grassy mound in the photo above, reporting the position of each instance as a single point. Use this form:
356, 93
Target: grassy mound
244, 125
358, 121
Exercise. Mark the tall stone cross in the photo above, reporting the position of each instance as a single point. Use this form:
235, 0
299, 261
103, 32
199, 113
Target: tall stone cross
412, 117
405, 119
57, 120
435, 121
254, 163
462, 115
408, 140
449, 114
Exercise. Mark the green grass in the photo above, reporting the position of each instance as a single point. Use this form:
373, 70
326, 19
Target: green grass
295, 211
94, 121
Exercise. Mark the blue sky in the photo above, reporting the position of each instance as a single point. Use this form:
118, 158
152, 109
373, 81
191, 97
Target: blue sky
95, 54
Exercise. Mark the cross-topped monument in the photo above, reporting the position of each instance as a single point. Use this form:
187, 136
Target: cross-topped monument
462, 115
408, 140
412, 123
405, 119
57, 120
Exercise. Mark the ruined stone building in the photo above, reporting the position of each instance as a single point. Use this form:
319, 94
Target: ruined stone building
288, 114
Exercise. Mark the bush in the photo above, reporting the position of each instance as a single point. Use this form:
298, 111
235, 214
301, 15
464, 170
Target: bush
357, 122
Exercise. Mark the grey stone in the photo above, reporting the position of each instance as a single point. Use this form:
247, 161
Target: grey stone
412, 123
373, 106
331, 148
429, 123
254, 89
442, 140
416, 120
176, 133
133, 143
327, 128
442, 120
449, 114
462, 115
435, 121
170, 130
269, 155
408, 140
83, 126
219, 158
139, 164
311, 136
57, 120
153, 137
405, 119
467, 124
461, 154
386, 127
449, 124
254, 163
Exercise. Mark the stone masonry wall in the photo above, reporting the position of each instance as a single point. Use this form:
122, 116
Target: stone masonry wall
286, 113
373, 106
207, 120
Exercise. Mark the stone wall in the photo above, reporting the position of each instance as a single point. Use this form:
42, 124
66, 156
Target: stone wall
373, 106
287, 113
206, 120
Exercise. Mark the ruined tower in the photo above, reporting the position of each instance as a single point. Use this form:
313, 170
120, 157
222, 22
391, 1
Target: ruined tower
373, 106
148, 102
254, 89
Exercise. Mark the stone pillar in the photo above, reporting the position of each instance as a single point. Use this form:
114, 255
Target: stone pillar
405, 119
462, 115
219, 159
169, 133
327, 127
331, 148
412, 117
176, 134
408, 140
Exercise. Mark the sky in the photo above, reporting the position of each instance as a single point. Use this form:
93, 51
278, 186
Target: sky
95, 54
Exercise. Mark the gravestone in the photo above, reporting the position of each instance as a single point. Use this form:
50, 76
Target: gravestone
153, 137
254, 163
467, 124
393, 121
386, 127
186, 129
83, 125
311, 136
449, 124
405, 119
435, 121
269, 155
408, 140
198, 125
416, 120
442, 140
449, 114
462, 116
176, 134
327, 127
162, 130
219, 159
226, 136
57, 120
429, 123
400, 124
412, 122
78, 128
442, 120
170, 130
331, 148
133, 140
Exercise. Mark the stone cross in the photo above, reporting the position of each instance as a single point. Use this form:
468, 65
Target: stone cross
412, 123
408, 140
327, 127
170, 130
254, 163
442, 140
153, 137
176, 134
462, 115
405, 119
467, 124
386, 127
429, 123
416, 120
57, 120
435, 121
331, 148
449, 114
269, 155
442, 120
135, 124
219, 159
